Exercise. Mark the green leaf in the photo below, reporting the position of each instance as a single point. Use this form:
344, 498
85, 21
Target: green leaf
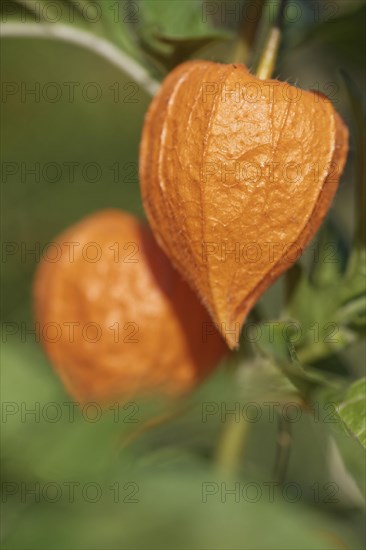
330, 304
277, 341
352, 411
352, 291
328, 261
171, 32
104, 18
103, 27
176, 19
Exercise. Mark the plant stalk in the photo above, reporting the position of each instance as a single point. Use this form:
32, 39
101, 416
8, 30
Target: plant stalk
230, 448
268, 58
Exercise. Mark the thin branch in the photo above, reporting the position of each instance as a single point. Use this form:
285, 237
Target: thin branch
86, 40
230, 449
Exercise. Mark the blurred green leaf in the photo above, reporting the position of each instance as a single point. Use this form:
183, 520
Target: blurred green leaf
175, 19
352, 410
330, 304
343, 35
104, 18
354, 289
277, 341
166, 511
328, 263
171, 32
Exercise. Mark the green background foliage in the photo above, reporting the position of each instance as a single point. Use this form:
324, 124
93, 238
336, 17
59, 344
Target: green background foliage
197, 448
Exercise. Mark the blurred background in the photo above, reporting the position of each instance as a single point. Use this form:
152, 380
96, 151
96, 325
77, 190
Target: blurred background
73, 103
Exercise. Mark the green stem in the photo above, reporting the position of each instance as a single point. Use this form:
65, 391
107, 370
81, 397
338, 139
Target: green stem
284, 439
230, 448
351, 310
268, 58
